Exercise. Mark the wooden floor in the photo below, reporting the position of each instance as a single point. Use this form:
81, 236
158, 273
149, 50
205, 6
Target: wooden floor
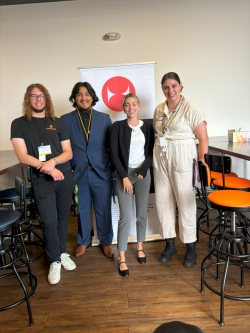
95, 298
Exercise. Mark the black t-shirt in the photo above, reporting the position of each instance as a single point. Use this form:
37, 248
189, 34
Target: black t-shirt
40, 131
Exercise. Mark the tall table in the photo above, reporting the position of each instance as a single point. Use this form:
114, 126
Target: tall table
236, 149
8, 160
9, 167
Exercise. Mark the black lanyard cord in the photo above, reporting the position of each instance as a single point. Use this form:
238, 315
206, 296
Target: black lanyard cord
41, 135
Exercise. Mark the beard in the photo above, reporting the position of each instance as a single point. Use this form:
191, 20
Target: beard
38, 110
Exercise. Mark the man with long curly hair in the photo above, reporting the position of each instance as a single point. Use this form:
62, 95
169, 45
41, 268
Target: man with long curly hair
41, 141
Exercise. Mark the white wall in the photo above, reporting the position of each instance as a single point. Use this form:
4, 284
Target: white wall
206, 42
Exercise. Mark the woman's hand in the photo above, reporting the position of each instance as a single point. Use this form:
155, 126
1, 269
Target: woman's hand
139, 176
127, 186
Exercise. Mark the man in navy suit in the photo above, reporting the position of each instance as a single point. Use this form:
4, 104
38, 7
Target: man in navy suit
89, 135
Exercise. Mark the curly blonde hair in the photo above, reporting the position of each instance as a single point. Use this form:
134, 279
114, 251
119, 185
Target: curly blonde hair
27, 109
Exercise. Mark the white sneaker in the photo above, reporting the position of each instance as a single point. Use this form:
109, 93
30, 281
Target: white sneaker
67, 263
54, 272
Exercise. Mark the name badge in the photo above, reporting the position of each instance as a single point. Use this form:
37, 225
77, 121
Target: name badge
43, 151
162, 141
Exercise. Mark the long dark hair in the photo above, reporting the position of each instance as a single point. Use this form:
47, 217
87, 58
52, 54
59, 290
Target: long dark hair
76, 89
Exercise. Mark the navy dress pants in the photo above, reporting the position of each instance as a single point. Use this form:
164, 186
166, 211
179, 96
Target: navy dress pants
99, 190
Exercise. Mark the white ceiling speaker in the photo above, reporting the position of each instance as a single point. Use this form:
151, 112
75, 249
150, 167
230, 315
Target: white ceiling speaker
110, 36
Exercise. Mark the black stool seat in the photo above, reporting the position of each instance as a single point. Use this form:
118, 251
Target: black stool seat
9, 195
9, 219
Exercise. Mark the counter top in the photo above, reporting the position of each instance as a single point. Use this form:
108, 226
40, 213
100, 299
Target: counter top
8, 160
236, 149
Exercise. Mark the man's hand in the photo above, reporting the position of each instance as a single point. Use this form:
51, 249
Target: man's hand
56, 174
47, 166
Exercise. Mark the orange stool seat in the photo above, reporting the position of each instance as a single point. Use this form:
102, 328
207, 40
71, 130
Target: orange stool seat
235, 183
227, 198
215, 175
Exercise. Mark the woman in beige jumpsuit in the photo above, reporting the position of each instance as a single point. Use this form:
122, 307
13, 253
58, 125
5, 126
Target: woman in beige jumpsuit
178, 122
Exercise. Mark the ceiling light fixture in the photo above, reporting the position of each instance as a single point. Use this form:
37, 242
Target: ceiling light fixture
110, 36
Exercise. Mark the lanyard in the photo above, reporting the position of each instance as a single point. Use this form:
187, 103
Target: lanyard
174, 113
90, 118
41, 135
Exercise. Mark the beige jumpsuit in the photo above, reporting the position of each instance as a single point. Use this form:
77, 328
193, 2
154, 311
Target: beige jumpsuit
173, 170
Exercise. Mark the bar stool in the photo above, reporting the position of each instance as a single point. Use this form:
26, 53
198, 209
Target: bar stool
205, 223
27, 228
9, 196
214, 163
216, 171
235, 241
220, 166
11, 254
31, 215
230, 183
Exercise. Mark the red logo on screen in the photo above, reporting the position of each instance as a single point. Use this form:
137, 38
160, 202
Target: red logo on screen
114, 90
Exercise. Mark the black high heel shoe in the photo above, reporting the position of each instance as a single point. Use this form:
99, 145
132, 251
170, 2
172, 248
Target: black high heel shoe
125, 272
141, 260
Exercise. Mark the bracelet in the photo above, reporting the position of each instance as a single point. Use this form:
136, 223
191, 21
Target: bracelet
55, 160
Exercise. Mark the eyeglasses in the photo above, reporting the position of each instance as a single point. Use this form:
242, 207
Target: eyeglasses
33, 96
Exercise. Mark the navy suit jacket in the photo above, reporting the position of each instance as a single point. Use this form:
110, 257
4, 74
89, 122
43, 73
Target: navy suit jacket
96, 151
